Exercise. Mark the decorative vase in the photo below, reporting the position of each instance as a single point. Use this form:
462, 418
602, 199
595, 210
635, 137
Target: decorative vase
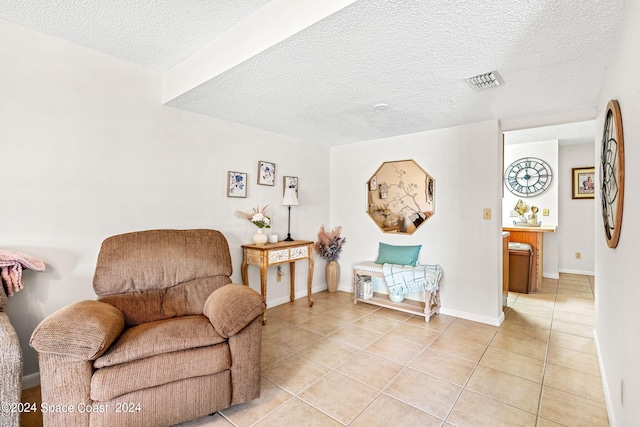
333, 275
260, 238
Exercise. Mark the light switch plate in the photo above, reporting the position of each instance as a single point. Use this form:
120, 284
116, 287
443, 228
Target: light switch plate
545, 212
486, 213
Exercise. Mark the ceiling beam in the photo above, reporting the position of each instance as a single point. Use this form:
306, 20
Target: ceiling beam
266, 27
582, 115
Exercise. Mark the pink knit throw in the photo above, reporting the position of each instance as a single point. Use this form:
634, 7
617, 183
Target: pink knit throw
11, 265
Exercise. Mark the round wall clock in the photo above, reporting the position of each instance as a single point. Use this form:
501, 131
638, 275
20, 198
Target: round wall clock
612, 173
528, 177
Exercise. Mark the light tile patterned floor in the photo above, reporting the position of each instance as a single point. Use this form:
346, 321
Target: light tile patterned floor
340, 364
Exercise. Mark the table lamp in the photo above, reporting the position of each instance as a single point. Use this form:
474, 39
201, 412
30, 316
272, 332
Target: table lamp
290, 199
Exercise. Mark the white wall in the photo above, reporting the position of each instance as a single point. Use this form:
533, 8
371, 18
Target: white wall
617, 287
466, 163
576, 216
547, 151
89, 151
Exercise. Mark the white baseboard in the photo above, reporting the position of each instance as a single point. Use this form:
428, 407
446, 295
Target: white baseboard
551, 275
607, 393
30, 380
493, 321
582, 272
346, 288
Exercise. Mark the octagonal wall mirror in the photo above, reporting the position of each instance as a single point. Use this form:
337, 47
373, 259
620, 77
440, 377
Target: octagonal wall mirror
400, 197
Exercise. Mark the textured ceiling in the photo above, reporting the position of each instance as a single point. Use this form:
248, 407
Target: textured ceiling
157, 34
320, 83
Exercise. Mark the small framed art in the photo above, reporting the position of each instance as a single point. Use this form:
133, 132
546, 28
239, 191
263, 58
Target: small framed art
236, 184
384, 191
290, 182
583, 185
266, 173
373, 183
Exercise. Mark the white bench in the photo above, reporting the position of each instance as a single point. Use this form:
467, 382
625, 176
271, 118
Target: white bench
429, 307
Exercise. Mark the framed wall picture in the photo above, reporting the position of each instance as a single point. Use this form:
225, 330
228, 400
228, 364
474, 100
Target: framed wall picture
266, 173
384, 191
373, 183
290, 182
612, 173
583, 183
236, 184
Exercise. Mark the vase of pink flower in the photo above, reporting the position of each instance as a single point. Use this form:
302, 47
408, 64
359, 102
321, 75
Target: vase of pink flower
259, 218
260, 238
329, 246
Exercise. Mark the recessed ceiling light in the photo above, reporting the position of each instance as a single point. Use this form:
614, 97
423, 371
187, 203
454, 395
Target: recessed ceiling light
485, 80
380, 107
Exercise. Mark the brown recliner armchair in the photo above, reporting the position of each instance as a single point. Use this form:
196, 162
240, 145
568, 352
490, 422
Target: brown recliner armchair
168, 340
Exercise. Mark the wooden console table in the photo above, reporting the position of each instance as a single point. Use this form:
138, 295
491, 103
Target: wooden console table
532, 236
270, 254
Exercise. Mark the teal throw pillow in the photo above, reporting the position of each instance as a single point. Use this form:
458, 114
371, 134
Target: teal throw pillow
400, 255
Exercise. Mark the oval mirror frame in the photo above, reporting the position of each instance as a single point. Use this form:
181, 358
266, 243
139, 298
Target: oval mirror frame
400, 197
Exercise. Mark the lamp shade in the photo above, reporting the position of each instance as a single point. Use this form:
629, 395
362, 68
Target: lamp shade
290, 197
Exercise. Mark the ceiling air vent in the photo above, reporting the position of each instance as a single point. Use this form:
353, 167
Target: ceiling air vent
485, 81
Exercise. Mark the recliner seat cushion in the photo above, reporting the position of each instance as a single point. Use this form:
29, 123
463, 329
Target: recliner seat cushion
163, 336
113, 381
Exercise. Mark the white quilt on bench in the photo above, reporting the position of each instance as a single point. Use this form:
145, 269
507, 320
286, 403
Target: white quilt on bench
404, 279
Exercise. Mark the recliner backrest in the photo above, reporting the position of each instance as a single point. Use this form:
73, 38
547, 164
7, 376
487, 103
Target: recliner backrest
158, 274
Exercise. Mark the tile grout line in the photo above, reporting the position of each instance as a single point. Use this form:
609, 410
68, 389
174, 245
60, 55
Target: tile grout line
464, 387
379, 391
335, 369
406, 366
546, 354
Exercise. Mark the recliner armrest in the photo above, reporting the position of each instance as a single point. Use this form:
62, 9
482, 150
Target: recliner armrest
84, 330
232, 307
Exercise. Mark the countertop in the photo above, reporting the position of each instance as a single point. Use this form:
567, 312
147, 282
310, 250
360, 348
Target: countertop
541, 229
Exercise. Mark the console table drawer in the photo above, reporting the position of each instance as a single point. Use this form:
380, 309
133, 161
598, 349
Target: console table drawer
299, 253
276, 256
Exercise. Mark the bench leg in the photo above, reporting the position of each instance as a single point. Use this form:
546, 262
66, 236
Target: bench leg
431, 304
355, 287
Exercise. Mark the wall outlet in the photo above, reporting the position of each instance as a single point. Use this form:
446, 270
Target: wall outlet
578, 255
486, 213
545, 212
279, 274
